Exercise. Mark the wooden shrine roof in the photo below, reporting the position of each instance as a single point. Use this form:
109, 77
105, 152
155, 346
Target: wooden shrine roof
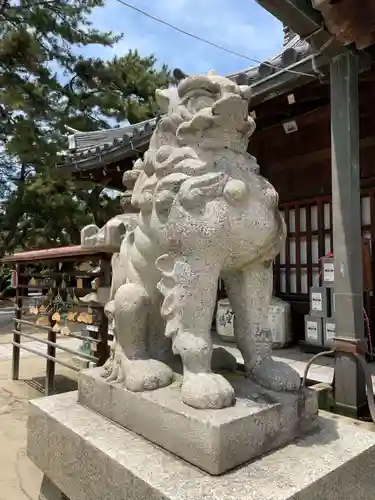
68, 252
102, 156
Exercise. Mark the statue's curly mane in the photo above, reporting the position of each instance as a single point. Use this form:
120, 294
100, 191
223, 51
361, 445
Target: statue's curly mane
177, 163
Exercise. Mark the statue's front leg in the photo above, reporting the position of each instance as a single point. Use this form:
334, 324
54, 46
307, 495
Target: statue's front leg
131, 364
250, 293
189, 285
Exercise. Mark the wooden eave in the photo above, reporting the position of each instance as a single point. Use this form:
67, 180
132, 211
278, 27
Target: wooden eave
50, 254
349, 21
306, 21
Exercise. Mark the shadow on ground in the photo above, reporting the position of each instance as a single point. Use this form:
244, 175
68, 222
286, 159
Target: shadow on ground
62, 384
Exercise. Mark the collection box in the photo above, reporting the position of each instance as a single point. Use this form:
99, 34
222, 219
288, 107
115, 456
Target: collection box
329, 330
327, 271
313, 330
320, 301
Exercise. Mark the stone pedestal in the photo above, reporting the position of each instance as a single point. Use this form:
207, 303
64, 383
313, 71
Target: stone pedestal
88, 457
213, 440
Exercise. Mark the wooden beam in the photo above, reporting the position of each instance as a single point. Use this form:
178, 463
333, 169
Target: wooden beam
350, 388
289, 78
291, 112
318, 156
304, 20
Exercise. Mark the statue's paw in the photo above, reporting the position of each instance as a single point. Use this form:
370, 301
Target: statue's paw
276, 376
106, 369
207, 391
115, 373
147, 375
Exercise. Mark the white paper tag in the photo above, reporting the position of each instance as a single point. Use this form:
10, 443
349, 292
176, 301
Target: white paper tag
316, 302
330, 331
92, 328
312, 330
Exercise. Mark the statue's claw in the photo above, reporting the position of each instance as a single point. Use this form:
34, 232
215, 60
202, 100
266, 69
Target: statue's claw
113, 374
275, 375
138, 375
207, 391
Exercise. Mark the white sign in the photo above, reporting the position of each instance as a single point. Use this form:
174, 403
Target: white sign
330, 331
92, 328
312, 330
316, 301
328, 272
290, 127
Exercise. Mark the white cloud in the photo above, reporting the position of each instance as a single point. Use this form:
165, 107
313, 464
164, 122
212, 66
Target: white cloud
239, 25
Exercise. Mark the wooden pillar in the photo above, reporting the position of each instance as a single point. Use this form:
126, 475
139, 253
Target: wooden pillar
350, 392
18, 303
50, 364
102, 348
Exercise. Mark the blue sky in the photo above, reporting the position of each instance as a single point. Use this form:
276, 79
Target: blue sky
239, 25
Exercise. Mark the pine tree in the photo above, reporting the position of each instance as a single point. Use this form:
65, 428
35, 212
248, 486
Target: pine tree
45, 85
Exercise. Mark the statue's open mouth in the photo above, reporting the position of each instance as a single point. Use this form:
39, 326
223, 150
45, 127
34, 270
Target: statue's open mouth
215, 110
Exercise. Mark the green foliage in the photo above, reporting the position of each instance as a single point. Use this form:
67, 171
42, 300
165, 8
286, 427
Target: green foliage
45, 85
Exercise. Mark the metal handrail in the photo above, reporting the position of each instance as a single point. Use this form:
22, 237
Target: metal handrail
48, 328
47, 356
31, 323
57, 346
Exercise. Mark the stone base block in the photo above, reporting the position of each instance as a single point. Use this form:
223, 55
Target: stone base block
87, 457
213, 440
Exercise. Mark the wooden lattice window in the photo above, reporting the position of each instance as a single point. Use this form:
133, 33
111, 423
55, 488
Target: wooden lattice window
309, 238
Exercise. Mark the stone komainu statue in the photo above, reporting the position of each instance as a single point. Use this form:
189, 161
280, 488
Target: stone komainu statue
204, 212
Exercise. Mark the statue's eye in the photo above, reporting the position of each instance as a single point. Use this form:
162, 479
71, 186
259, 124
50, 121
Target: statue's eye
197, 103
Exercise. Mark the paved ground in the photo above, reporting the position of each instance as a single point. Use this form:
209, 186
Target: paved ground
19, 478
6, 316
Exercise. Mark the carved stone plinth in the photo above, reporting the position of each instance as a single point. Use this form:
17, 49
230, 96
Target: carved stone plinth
88, 457
213, 440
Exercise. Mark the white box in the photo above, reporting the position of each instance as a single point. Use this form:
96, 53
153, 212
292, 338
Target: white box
328, 271
320, 301
329, 330
313, 330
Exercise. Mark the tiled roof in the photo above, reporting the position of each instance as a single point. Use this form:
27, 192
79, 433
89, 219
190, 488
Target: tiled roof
102, 146
294, 49
89, 150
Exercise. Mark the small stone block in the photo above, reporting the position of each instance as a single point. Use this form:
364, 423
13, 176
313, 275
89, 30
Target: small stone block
88, 457
313, 330
324, 393
320, 301
213, 440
